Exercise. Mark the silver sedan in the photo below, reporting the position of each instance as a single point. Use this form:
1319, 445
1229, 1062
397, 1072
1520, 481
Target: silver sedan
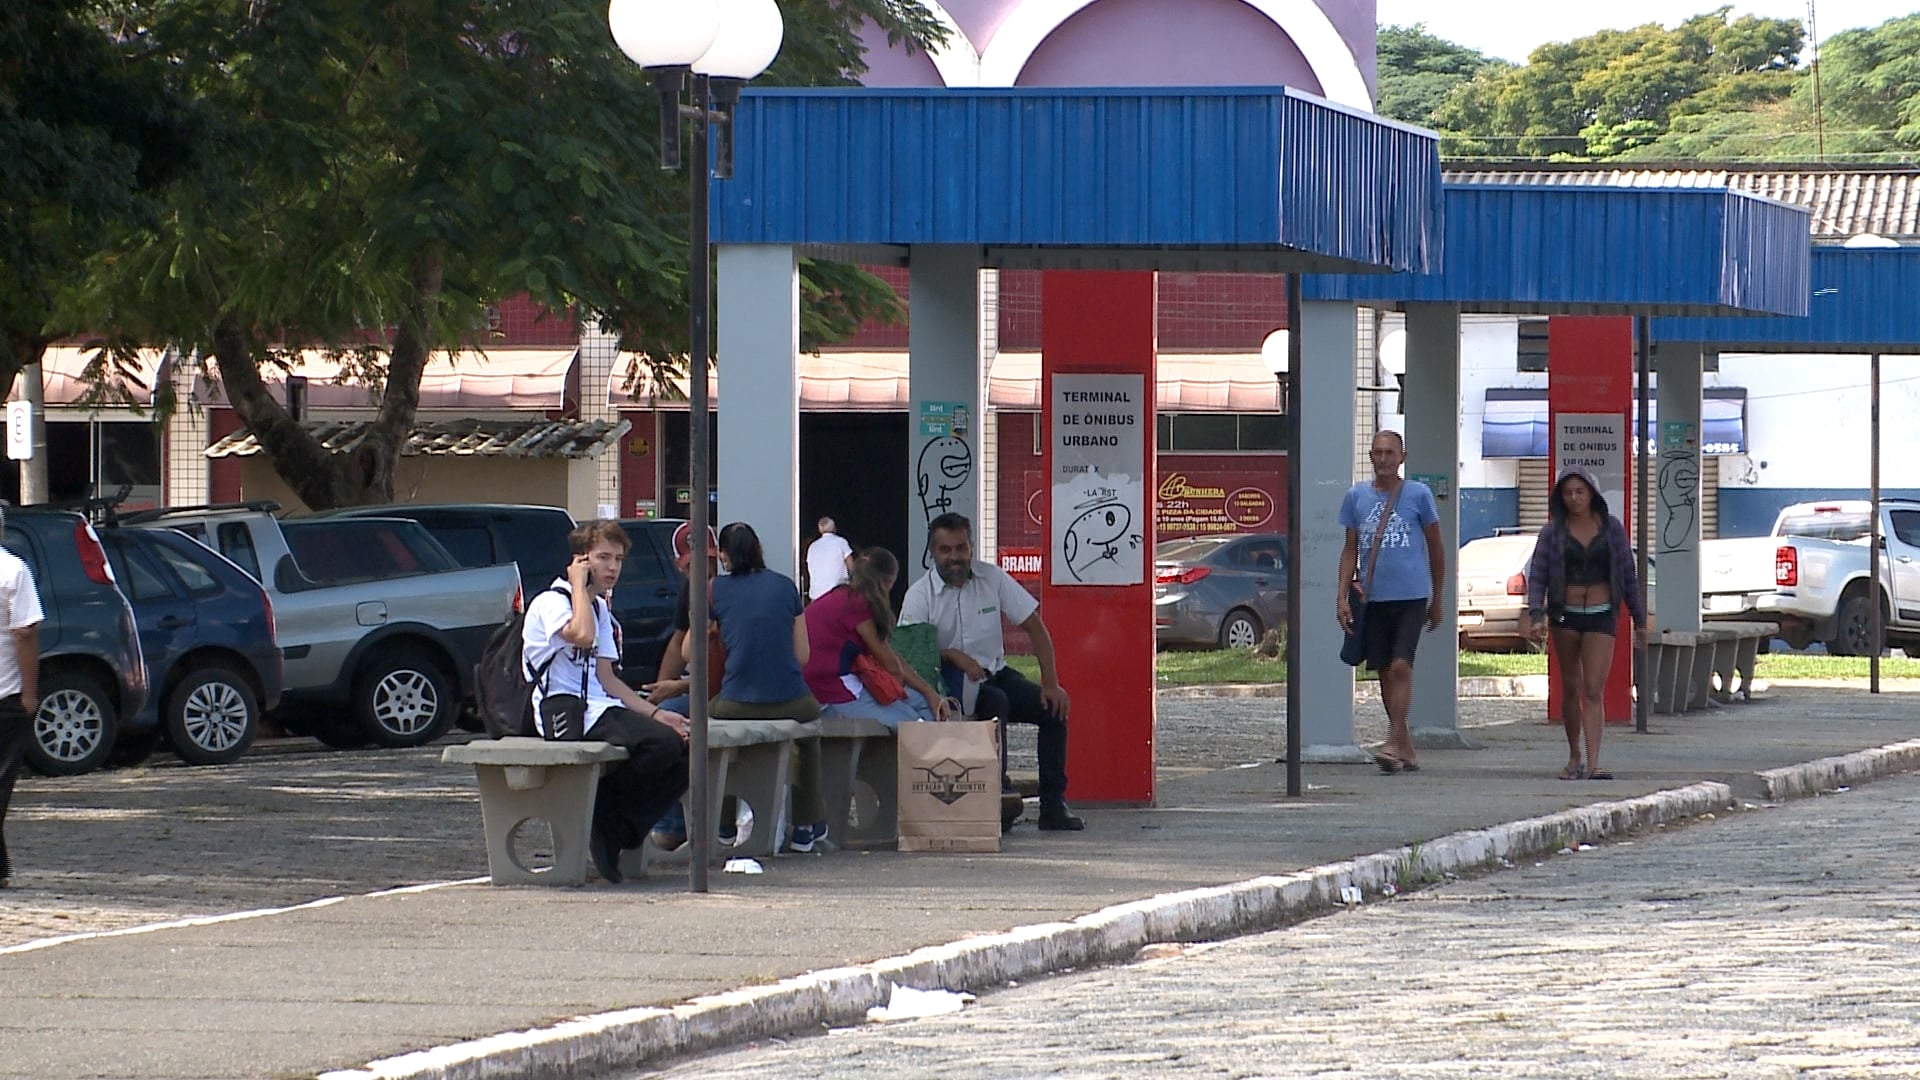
1219, 591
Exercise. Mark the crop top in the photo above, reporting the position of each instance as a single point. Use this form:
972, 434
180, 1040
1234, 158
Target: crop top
1591, 563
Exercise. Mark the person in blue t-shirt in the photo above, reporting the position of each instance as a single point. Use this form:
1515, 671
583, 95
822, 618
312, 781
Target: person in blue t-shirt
763, 627
1407, 582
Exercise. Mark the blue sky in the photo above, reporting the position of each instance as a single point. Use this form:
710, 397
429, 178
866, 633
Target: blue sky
1510, 29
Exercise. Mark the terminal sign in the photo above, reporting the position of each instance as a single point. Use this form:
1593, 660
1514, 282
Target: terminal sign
1098, 489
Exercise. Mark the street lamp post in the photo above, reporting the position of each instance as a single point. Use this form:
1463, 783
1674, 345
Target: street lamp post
721, 44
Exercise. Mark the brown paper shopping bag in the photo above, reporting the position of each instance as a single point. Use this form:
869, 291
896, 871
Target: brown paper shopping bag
950, 786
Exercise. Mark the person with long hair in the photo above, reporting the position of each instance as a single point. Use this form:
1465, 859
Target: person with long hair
1581, 575
855, 619
764, 630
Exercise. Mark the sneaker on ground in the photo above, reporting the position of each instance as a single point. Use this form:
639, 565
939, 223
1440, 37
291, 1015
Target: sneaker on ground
806, 837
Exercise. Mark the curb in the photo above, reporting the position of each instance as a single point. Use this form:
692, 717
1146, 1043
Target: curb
1826, 774
841, 996
1471, 686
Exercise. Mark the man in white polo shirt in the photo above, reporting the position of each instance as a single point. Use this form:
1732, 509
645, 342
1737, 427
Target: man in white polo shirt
20, 615
965, 601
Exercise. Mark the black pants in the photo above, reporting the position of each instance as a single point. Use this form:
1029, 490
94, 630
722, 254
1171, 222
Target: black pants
636, 792
15, 727
1014, 699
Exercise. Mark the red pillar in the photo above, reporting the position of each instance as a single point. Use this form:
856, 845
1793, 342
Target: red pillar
1590, 371
1102, 323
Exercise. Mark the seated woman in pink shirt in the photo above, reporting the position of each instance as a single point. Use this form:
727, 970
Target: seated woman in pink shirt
855, 619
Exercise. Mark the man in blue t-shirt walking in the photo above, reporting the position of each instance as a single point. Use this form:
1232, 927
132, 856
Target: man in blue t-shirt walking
1404, 586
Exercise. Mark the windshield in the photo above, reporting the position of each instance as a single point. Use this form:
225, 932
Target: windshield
1830, 526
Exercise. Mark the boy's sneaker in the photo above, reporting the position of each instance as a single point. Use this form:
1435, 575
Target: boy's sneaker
670, 832
806, 837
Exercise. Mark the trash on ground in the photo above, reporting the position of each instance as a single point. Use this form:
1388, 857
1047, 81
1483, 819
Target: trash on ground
1349, 894
743, 866
907, 1003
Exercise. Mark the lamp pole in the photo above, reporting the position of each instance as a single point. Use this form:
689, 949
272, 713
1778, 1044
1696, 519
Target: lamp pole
722, 44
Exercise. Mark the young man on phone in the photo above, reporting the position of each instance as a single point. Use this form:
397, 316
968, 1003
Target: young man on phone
570, 652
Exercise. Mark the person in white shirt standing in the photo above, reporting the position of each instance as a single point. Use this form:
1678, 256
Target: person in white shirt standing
569, 649
829, 561
965, 600
19, 682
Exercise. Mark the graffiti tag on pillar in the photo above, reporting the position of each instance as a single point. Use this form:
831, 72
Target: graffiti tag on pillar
1678, 480
1097, 538
945, 466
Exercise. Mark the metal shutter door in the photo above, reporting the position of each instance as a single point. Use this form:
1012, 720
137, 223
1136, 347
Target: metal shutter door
1709, 498
1535, 486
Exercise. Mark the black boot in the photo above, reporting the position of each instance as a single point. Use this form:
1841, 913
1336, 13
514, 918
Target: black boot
1057, 817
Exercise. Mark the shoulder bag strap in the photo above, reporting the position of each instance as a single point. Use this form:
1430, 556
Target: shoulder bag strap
1379, 532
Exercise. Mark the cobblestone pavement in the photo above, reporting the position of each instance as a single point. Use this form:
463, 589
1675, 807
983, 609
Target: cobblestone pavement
294, 822
1772, 944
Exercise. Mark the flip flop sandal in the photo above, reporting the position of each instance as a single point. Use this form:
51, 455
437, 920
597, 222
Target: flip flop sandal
1574, 772
1599, 774
1388, 763
1410, 766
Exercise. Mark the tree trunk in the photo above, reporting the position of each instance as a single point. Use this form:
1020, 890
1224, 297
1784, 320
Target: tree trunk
324, 479
27, 350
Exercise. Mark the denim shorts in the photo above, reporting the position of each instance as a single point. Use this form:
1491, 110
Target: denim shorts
1588, 622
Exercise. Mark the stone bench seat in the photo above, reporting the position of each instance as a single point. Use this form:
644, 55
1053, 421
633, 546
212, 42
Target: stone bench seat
750, 760
522, 779
858, 761
1683, 665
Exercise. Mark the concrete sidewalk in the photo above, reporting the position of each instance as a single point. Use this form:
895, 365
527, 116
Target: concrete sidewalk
334, 985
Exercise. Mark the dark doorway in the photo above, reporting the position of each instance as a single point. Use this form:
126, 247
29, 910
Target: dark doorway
853, 469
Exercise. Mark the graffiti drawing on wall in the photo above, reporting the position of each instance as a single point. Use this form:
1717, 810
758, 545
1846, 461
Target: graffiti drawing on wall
1678, 479
945, 466
1099, 533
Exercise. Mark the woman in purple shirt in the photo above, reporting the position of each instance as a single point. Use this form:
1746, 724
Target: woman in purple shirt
1580, 576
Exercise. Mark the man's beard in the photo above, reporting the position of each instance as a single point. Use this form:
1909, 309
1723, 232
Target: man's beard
953, 573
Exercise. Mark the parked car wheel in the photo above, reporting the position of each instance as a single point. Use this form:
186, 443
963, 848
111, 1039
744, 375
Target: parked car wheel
405, 700
1852, 626
1241, 629
74, 729
212, 717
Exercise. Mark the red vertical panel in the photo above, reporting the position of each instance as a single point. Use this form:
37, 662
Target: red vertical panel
1098, 322
1590, 370
639, 461
223, 474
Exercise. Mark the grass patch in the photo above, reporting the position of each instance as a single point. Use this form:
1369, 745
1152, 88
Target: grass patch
1200, 667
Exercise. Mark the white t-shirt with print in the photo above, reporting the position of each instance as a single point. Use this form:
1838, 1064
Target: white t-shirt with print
19, 609
547, 614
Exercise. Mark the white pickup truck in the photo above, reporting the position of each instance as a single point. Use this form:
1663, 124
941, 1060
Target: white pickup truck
1821, 584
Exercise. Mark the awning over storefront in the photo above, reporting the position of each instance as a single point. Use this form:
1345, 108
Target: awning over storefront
1515, 422
472, 380
64, 371
467, 437
877, 382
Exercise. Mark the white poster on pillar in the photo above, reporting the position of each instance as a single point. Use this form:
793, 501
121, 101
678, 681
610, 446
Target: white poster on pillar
1596, 442
1098, 518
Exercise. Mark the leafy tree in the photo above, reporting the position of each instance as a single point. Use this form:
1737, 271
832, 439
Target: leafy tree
1418, 71
1870, 91
374, 174
1620, 91
83, 142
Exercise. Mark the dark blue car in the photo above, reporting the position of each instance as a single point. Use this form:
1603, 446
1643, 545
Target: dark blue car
93, 683
206, 628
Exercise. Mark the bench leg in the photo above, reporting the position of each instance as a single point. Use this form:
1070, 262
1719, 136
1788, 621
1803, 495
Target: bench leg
847, 766
1749, 657
563, 799
1700, 681
1725, 654
759, 774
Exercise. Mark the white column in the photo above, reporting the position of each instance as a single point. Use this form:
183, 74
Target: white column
599, 357
1431, 406
758, 346
1326, 472
187, 471
1676, 487
944, 451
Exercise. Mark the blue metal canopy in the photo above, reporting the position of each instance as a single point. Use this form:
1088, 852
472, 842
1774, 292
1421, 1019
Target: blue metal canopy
1202, 178
1603, 251
1863, 300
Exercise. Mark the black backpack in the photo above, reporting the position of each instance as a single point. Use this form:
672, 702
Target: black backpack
502, 691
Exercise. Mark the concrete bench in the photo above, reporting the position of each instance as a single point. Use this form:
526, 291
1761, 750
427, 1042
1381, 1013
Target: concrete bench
750, 760
1682, 665
856, 753
522, 779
